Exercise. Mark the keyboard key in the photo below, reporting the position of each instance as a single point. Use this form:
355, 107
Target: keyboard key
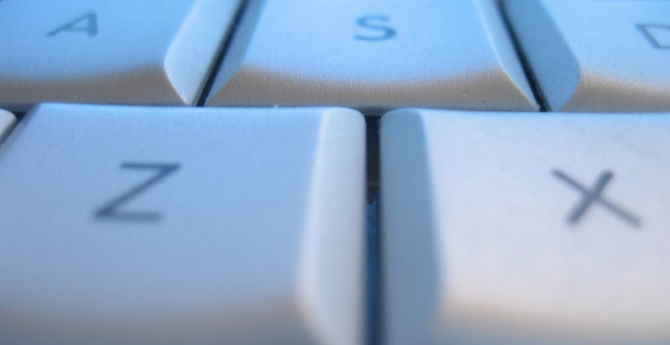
117, 52
511, 228
7, 121
597, 56
131, 225
373, 55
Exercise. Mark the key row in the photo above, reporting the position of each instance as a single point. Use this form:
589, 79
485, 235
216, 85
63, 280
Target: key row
164, 225
369, 55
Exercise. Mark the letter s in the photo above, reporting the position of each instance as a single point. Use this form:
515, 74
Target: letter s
368, 22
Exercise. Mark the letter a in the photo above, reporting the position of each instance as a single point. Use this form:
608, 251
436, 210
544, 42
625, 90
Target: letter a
86, 23
657, 35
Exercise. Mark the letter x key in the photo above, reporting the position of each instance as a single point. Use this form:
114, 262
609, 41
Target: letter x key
595, 196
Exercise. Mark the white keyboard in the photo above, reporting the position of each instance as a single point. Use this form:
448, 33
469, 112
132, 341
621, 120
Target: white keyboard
345, 172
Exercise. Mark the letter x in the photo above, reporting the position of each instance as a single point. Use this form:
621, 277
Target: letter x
595, 196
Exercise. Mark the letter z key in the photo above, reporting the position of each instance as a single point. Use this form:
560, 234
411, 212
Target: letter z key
160, 225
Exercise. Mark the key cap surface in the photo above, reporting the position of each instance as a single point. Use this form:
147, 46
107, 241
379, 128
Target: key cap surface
130, 225
515, 229
7, 121
112, 52
373, 55
597, 56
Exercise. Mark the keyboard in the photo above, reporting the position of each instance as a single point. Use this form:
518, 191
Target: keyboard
334, 172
